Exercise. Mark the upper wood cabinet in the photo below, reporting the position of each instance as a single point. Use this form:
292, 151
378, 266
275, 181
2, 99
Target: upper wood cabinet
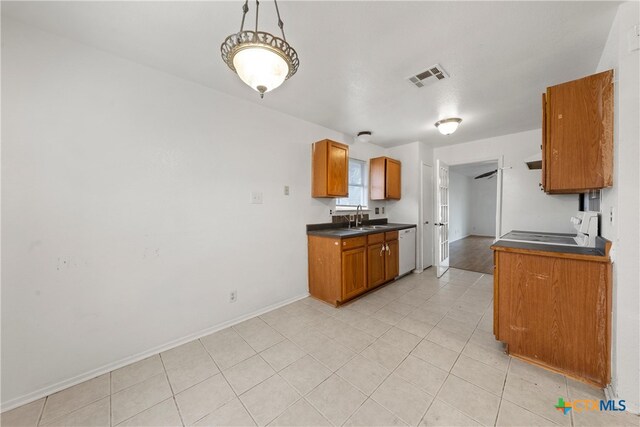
577, 135
384, 179
329, 169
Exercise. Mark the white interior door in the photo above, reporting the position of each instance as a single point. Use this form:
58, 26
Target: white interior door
442, 218
427, 216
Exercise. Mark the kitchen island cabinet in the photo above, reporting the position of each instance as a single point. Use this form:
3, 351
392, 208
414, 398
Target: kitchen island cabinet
553, 308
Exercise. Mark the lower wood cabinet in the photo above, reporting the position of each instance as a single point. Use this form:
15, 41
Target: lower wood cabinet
555, 311
354, 272
391, 261
342, 269
375, 258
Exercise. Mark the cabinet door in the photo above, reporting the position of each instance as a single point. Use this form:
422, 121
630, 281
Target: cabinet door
556, 312
392, 260
354, 273
579, 127
377, 179
393, 184
544, 147
338, 169
376, 255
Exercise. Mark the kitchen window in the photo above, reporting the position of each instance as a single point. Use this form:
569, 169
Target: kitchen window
357, 186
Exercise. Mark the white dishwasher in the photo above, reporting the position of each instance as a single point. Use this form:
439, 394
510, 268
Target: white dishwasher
407, 242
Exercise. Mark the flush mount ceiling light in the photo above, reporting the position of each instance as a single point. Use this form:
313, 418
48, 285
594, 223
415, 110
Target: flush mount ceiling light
261, 60
448, 126
364, 136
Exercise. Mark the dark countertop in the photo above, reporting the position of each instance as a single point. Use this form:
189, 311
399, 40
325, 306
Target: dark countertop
601, 250
340, 230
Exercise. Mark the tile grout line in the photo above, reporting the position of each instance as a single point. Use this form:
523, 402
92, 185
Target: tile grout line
173, 395
271, 376
44, 404
110, 399
227, 381
504, 384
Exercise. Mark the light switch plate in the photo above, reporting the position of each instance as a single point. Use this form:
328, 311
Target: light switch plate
256, 198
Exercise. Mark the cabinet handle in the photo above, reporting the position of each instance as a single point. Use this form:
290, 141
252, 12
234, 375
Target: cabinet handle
381, 250
388, 249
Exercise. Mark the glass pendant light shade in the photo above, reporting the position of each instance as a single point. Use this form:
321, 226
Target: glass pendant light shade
448, 126
260, 68
261, 60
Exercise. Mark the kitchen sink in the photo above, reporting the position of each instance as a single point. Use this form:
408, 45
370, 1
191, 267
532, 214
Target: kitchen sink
365, 228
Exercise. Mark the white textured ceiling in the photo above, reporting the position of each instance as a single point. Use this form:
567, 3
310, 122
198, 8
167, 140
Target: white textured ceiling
355, 56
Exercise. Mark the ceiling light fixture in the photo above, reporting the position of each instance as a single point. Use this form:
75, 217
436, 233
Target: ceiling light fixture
261, 60
364, 136
448, 126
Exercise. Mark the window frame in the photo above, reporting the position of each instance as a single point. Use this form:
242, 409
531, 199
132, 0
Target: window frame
364, 186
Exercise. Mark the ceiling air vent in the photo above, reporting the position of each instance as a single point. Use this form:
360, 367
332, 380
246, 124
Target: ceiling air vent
429, 76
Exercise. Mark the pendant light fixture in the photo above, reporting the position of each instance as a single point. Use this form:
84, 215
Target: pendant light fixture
448, 126
261, 60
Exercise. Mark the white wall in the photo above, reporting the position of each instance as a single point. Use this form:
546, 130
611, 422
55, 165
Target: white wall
125, 210
408, 209
524, 206
624, 198
459, 206
483, 207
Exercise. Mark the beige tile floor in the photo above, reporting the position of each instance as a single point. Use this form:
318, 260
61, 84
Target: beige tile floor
416, 352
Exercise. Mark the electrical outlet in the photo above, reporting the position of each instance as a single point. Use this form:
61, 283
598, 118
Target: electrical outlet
330, 211
286, 190
233, 296
383, 209
256, 198
377, 211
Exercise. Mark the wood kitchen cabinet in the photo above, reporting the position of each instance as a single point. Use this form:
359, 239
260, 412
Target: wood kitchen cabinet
554, 310
341, 269
329, 169
383, 258
577, 135
354, 272
384, 179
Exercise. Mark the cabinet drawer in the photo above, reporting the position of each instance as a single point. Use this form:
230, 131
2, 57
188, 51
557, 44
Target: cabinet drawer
391, 235
375, 238
353, 242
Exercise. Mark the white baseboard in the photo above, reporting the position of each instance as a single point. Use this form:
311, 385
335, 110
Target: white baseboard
611, 394
460, 238
53, 388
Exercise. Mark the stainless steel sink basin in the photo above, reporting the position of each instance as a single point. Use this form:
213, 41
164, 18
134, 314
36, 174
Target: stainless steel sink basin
365, 228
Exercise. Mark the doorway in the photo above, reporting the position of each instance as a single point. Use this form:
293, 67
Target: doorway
473, 215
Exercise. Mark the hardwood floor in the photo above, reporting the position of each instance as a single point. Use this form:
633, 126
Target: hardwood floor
472, 253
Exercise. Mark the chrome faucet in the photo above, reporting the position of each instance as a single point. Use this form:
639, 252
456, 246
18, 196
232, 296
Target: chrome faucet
359, 215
